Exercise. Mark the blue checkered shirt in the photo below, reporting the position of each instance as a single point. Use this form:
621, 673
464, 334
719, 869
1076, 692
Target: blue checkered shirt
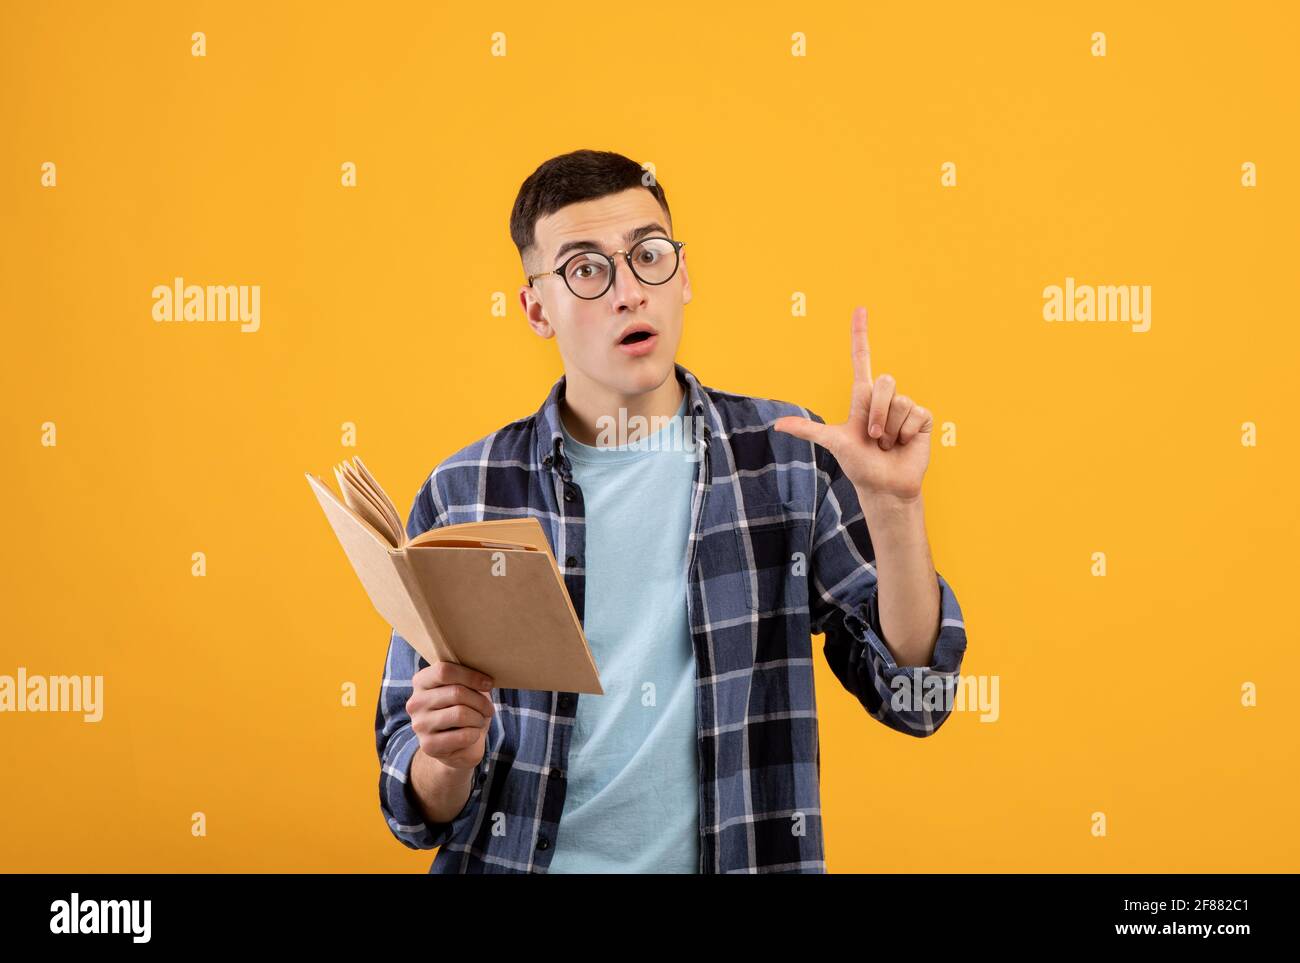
778, 552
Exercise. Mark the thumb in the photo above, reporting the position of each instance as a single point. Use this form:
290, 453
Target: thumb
805, 428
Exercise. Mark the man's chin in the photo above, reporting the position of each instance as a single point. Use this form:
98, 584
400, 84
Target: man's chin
632, 376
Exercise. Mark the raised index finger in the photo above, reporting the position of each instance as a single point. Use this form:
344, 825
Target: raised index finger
861, 349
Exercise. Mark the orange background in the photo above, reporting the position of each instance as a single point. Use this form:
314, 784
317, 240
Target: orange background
818, 174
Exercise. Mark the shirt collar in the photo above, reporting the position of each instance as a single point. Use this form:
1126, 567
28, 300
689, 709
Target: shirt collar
550, 436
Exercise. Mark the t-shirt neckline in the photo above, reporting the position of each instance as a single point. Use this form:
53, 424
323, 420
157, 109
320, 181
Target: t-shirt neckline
647, 445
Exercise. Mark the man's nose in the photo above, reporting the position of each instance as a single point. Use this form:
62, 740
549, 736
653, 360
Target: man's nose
628, 290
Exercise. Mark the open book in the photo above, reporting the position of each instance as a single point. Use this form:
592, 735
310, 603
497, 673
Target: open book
488, 595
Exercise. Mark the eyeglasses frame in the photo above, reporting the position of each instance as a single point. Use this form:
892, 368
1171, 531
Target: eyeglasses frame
627, 256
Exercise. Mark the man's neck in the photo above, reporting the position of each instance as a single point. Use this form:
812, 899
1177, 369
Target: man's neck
585, 403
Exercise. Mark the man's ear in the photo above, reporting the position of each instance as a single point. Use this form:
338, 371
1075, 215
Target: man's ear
535, 311
686, 281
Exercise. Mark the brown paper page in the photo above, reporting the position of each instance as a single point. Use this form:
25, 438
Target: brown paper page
450, 541
377, 569
520, 627
353, 486
361, 486
361, 503
521, 531
358, 470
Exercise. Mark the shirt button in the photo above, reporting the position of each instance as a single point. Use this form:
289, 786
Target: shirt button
570, 561
547, 461
543, 843
557, 773
565, 701
568, 494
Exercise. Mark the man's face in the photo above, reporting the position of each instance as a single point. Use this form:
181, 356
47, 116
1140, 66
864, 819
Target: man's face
588, 331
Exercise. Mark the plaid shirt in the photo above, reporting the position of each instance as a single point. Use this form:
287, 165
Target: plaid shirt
778, 552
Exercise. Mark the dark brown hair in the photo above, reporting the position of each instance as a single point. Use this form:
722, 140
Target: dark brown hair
581, 175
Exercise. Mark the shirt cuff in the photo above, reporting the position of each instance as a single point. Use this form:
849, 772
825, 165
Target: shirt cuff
863, 623
403, 810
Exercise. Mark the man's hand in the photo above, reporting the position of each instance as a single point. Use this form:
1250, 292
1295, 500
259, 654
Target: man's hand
450, 708
883, 449
884, 446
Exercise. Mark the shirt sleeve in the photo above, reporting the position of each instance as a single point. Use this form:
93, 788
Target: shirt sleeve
395, 740
843, 602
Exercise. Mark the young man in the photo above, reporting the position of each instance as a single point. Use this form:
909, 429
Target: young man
700, 570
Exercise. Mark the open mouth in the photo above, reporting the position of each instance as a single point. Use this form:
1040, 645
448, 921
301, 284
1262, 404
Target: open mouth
635, 336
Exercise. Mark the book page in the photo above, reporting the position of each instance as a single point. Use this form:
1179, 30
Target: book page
358, 501
518, 532
381, 496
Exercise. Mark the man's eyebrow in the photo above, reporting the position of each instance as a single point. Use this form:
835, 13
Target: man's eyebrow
628, 238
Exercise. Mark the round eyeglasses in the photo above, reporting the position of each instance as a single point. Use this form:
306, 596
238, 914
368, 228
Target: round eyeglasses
589, 274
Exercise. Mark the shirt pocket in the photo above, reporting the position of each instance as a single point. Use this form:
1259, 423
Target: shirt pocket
772, 543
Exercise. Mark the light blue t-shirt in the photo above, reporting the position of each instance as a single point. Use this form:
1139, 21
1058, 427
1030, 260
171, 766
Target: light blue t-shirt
632, 803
